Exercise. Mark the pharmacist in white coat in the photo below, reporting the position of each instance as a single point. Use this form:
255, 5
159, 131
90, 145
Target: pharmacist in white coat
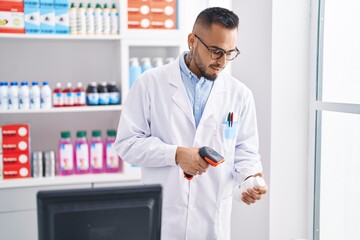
173, 110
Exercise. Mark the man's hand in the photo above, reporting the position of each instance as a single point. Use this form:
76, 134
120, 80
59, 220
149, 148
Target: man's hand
254, 194
190, 161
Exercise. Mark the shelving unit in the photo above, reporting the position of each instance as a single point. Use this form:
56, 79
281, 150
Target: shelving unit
72, 58
69, 58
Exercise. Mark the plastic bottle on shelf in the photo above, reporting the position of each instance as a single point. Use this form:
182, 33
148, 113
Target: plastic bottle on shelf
65, 154
81, 19
45, 95
73, 19
104, 96
146, 64
114, 13
169, 60
58, 96
248, 183
96, 152
112, 160
4, 94
106, 20
13, 96
92, 94
24, 96
158, 62
98, 20
90, 20
68, 95
115, 96
135, 70
82, 153
35, 101
79, 95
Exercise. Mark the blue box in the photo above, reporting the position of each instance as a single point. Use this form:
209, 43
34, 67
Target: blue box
62, 21
31, 3
47, 16
46, 3
32, 20
61, 4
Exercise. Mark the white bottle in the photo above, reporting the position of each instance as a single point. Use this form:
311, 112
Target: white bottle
13, 96
106, 20
90, 20
73, 20
35, 96
98, 20
24, 96
81, 20
169, 60
45, 95
158, 62
4, 93
245, 185
114, 14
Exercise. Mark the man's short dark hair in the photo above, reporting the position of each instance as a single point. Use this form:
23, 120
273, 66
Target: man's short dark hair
217, 15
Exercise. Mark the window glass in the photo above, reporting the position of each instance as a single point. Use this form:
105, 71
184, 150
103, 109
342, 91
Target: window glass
340, 176
341, 51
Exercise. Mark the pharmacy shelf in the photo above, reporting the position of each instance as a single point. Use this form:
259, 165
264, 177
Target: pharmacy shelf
72, 179
65, 110
60, 37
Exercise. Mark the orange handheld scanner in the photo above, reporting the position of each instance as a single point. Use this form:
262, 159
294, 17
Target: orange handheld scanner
210, 156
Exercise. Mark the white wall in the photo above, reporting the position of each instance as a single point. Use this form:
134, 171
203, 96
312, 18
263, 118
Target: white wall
274, 40
253, 67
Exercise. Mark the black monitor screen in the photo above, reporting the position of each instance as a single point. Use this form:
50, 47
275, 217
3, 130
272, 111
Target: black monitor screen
129, 212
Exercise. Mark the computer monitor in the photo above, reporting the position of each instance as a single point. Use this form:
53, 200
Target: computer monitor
127, 212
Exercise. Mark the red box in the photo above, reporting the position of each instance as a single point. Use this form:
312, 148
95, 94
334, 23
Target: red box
154, 14
15, 130
16, 171
12, 16
15, 145
12, 158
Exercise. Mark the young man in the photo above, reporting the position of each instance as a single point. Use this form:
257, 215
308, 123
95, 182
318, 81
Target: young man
173, 110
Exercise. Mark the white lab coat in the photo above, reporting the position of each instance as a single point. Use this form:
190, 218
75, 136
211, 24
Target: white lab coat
157, 117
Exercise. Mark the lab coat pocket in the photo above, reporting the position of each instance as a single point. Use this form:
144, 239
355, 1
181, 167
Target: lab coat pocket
229, 131
228, 135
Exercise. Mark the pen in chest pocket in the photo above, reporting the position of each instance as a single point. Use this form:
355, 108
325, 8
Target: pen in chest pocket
230, 119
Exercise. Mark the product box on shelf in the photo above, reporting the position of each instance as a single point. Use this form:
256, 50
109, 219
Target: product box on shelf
46, 3
47, 20
16, 171
32, 20
12, 16
15, 147
15, 131
16, 158
61, 4
32, 3
152, 14
62, 21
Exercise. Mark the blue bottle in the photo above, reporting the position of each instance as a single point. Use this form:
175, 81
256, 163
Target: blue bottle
135, 70
146, 64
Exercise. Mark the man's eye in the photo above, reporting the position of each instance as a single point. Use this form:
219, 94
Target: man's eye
218, 52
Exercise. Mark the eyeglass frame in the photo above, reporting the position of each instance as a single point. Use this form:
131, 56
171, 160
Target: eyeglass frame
219, 49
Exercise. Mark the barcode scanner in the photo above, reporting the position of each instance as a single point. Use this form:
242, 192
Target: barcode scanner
210, 156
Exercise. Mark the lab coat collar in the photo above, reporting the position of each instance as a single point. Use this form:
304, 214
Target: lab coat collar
214, 103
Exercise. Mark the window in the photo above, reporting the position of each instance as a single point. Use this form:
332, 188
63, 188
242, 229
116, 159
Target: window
336, 108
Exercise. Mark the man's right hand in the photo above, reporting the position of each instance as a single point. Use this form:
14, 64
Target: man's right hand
190, 161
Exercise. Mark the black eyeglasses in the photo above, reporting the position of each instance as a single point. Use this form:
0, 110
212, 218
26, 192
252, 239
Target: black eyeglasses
217, 53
